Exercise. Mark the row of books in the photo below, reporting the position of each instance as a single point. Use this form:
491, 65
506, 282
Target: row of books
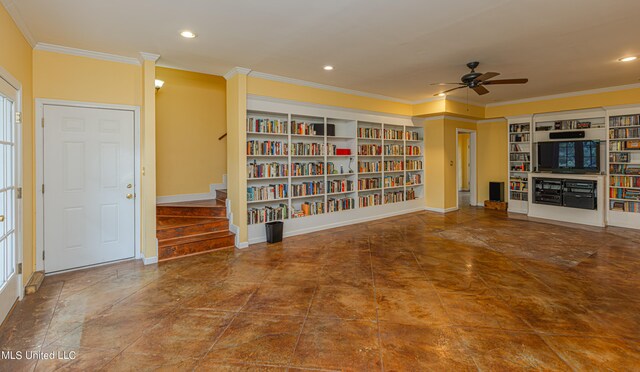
369, 183
393, 165
304, 128
309, 209
269, 192
344, 204
624, 121
412, 136
268, 170
519, 196
334, 186
393, 181
631, 194
307, 169
518, 186
519, 137
393, 134
393, 150
624, 169
373, 133
413, 165
519, 128
519, 148
569, 124
266, 148
524, 167
331, 169
267, 214
414, 179
622, 206
413, 150
369, 150
266, 126
623, 145
411, 194
369, 200
393, 197
369, 166
519, 157
619, 157
624, 181
624, 133
302, 148
307, 188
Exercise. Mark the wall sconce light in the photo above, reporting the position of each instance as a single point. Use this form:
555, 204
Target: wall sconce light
159, 84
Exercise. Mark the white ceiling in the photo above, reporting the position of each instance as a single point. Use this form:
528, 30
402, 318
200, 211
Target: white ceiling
394, 48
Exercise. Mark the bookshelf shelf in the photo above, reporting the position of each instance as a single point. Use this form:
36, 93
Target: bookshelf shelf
313, 128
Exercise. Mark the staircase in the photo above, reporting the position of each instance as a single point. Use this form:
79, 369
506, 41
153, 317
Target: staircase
189, 228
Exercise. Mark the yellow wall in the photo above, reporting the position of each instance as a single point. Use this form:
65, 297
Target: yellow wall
73, 78
236, 152
190, 116
463, 149
276, 89
492, 159
16, 58
434, 163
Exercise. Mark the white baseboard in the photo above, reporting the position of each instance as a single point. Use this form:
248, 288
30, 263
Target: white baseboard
441, 210
149, 260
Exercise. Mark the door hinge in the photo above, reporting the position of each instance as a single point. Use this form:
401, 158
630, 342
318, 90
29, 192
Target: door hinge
18, 117
19, 193
20, 268
42, 255
42, 123
43, 188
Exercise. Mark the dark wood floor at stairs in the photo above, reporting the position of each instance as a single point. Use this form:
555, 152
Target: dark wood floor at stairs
193, 227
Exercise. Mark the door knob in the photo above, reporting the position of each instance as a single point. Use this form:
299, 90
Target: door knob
129, 196
1, 218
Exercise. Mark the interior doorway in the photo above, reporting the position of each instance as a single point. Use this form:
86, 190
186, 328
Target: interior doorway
466, 168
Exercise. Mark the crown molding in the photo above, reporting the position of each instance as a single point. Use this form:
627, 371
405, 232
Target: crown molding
86, 53
305, 83
11, 8
236, 71
427, 100
566, 95
144, 56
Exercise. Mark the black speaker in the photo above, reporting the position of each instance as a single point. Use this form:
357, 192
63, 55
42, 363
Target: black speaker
496, 191
563, 135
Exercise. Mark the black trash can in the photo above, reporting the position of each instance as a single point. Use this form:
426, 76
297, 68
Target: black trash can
274, 231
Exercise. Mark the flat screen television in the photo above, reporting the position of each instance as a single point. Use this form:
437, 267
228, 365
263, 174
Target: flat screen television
569, 156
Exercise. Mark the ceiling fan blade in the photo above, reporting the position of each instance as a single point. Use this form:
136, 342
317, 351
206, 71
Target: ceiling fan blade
487, 76
506, 81
447, 91
480, 90
446, 84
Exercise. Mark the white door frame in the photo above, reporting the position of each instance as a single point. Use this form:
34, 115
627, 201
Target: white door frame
6, 76
473, 187
39, 133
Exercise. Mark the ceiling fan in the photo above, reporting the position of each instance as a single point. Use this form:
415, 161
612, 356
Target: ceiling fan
477, 80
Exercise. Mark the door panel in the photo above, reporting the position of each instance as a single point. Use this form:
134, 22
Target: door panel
88, 163
9, 283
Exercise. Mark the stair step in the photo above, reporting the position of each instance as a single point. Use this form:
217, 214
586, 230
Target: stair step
172, 227
221, 195
195, 244
189, 211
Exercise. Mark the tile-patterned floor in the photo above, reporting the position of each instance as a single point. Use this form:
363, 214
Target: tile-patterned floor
470, 290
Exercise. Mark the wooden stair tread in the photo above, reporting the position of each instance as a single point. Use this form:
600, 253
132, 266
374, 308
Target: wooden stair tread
170, 222
194, 238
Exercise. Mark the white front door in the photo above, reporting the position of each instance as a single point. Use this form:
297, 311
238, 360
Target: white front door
89, 186
9, 286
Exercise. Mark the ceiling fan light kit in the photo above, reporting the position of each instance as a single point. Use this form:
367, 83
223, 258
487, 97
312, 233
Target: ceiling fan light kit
477, 81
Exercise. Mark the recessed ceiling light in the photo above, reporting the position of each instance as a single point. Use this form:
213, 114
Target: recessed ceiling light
187, 34
441, 94
328, 68
628, 59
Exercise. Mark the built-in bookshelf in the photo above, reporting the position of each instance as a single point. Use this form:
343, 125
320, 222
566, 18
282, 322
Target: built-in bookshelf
300, 165
519, 165
624, 163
